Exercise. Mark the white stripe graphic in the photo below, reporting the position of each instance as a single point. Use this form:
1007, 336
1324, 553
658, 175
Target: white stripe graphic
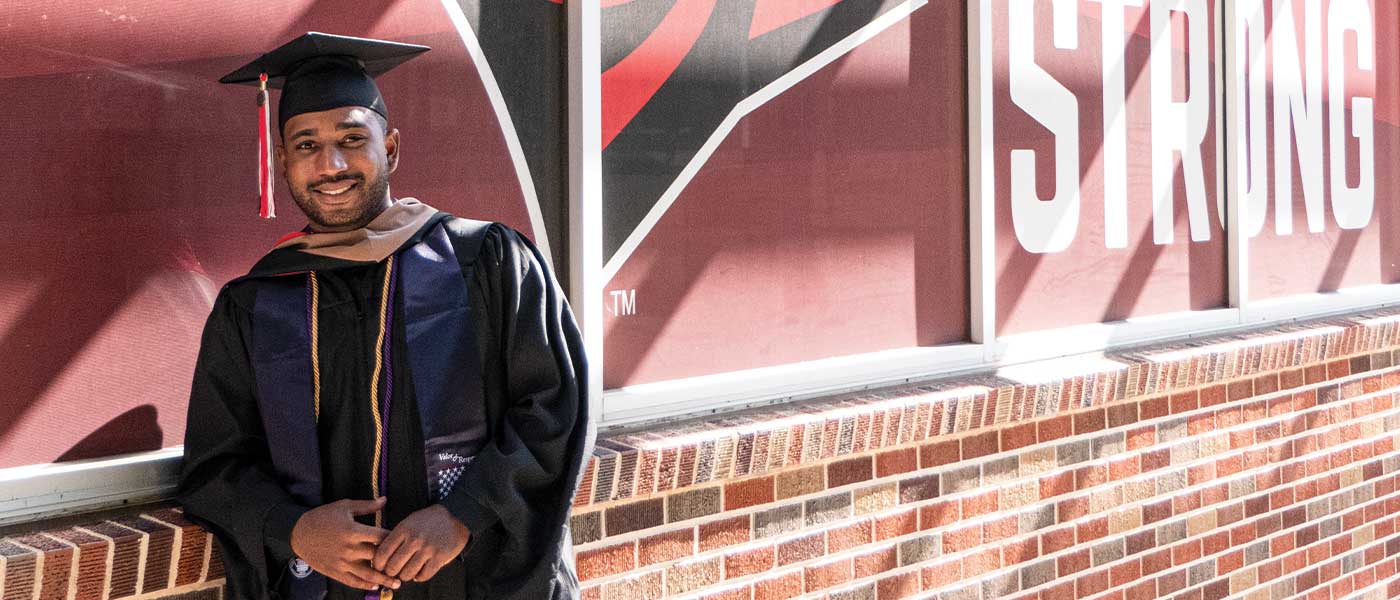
498, 103
742, 109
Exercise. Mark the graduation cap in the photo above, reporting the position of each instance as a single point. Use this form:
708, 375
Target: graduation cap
316, 71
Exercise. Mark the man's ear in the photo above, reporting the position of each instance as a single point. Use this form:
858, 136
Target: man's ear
391, 148
280, 156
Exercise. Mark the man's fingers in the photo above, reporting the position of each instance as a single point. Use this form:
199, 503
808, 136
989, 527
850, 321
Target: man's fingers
362, 570
431, 569
364, 507
387, 548
401, 557
362, 551
366, 533
353, 581
414, 567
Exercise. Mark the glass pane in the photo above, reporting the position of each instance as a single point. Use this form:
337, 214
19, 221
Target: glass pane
762, 211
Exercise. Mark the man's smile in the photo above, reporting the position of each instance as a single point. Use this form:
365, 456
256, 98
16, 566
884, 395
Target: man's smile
335, 188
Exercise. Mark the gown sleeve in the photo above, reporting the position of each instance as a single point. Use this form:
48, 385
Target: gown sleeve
226, 480
523, 480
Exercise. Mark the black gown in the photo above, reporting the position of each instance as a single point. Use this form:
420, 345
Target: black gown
515, 499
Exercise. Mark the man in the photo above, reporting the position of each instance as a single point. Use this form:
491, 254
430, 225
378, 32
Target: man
391, 403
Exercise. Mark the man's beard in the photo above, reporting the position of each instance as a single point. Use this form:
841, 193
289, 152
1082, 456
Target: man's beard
359, 216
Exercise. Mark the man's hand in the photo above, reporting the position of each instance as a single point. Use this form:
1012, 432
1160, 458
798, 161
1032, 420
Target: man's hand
331, 542
421, 545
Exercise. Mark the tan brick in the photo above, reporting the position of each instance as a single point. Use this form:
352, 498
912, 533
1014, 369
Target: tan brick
798, 482
688, 576
875, 498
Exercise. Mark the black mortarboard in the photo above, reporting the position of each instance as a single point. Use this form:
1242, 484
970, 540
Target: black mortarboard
316, 71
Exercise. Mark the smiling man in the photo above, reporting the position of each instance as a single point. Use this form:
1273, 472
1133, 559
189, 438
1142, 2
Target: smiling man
390, 403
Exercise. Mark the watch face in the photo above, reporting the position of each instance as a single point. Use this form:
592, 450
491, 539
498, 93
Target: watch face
299, 568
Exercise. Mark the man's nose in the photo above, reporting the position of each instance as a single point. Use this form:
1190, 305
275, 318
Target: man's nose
331, 161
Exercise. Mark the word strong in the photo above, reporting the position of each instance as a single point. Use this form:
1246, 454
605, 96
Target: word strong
1181, 113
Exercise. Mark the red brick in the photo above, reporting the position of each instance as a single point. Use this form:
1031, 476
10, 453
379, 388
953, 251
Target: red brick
1072, 508
845, 472
979, 445
898, 586
1186, 552
1141, 437
608, 560
1018, 436
1337, 369
1213, 395
1152, 408
1229, 562
979, 504
1171, 583
897, 524
726, 532
1073, 562
1158, 561
1122, 414
1156, 511
1123, 468
894, 462
873, 563
1125, 572
806, 547
940, 576
779, 587
1056, 484
1091, 476
1146, 590
1156, 459
1240, 389
963, 538
666, 546
939, 514
748, 562
749, 492
1055, 540
1020, 551
820, 577
1201, 423
1055, 428
1092, 529
980, 562
1090, 421
849, 536
1000, 529
1184, 402
1090, 584
938, 454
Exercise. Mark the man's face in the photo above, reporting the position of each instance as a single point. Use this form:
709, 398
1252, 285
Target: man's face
337, 163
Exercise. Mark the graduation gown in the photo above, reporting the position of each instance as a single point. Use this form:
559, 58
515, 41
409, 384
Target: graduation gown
513, 496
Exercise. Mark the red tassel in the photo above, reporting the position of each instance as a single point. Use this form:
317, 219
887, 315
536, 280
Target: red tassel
265, 209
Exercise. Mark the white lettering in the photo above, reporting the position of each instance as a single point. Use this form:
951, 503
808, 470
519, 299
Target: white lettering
1252, 159
1115, 131
1298, 114
1044, 225
1179, 126
1351, 206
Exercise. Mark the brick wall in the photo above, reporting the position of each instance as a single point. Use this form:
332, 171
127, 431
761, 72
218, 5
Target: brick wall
1261, 465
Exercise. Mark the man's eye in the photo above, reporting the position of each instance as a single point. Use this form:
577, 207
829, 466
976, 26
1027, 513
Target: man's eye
353, 139
305, 146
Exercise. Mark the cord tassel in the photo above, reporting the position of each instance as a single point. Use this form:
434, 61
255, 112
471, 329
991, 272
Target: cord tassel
265, 207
